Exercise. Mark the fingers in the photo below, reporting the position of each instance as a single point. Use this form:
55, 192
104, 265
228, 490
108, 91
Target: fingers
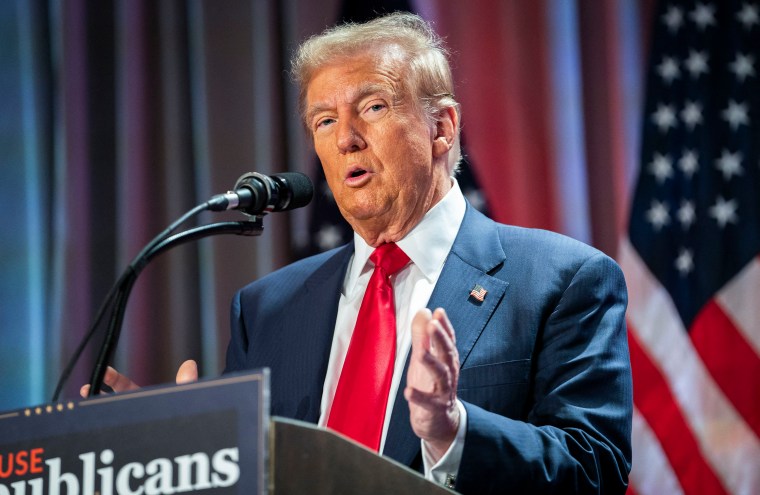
420, 321
442, 345
441, 316
114, 380
422, 332
433, 378
187, 372
432, 402
442, 348
118, 382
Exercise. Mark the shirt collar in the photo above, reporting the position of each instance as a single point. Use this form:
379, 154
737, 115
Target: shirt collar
427, 244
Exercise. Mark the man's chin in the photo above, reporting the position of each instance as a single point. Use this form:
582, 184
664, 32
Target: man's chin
358, 214
361, 206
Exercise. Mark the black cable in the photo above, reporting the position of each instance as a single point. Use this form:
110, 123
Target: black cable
115, 294
249, 228
107, 302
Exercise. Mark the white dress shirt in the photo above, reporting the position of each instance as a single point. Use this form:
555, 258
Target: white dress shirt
427, 246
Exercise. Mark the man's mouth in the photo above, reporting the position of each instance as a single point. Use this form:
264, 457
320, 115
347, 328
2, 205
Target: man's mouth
357, 177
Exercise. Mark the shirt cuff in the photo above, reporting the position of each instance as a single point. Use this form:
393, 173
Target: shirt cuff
444, 471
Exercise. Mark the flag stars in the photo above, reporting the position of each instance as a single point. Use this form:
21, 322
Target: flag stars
743, 66
735, 114
664, 117
729, 164
684, 262
691, 114
749, 15
724, 212
686, 214
661, 167
476, 199
696, 64
329, 236
703, 16
669, 70
673, 18
658, 215
689, 163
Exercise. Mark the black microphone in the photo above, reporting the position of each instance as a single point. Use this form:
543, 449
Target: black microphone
257, 194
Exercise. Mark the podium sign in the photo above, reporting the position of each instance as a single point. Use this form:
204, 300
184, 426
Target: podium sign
209, 437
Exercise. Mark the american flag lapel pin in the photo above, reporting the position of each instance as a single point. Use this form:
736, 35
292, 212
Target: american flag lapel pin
478, 292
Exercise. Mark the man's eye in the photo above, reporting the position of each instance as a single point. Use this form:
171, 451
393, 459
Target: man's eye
375, 111
324, 123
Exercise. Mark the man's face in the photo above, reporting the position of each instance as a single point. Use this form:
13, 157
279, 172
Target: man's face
376, 148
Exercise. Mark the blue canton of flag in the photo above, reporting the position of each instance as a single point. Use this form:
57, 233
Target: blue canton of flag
695, 219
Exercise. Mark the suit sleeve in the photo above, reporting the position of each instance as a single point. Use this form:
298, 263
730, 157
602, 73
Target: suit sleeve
575, 434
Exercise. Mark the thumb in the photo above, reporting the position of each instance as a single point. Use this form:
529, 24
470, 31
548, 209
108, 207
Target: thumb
187, 372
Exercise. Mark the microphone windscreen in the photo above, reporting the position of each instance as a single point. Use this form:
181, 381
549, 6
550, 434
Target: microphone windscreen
300, 186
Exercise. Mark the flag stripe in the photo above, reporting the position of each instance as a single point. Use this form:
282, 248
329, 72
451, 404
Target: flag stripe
721, 346
657, 404
708, 413
652, 473
739, 298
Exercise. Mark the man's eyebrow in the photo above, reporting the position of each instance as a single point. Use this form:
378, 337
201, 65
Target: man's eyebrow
372, 88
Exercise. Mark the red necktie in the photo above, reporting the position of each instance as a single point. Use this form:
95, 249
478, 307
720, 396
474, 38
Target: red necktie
358, 409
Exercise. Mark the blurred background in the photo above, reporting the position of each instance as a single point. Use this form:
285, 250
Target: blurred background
120, 115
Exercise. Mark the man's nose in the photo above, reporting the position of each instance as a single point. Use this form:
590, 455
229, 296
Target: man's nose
349, 137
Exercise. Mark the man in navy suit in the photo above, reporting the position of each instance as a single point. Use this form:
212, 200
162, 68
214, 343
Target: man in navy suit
512, 371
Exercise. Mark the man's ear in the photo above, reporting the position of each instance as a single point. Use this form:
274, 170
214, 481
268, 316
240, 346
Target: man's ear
446, 127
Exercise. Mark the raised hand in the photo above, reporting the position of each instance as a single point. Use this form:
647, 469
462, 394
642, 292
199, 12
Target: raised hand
432, 380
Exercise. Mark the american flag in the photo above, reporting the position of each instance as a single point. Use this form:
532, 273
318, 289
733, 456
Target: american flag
479, 293
691, 259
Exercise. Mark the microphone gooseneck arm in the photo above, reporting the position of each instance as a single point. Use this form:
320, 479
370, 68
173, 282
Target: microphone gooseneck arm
111, 339
255, 194
115, 293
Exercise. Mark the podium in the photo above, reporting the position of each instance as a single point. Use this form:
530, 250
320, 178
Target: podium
316, 461
213, 436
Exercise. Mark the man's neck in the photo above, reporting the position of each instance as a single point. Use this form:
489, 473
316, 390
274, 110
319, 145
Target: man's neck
380, 230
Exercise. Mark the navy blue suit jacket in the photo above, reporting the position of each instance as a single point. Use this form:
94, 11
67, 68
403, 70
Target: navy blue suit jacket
545, 371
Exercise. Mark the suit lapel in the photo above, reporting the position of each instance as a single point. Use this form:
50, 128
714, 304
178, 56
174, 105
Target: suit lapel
476, 252
309, 330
